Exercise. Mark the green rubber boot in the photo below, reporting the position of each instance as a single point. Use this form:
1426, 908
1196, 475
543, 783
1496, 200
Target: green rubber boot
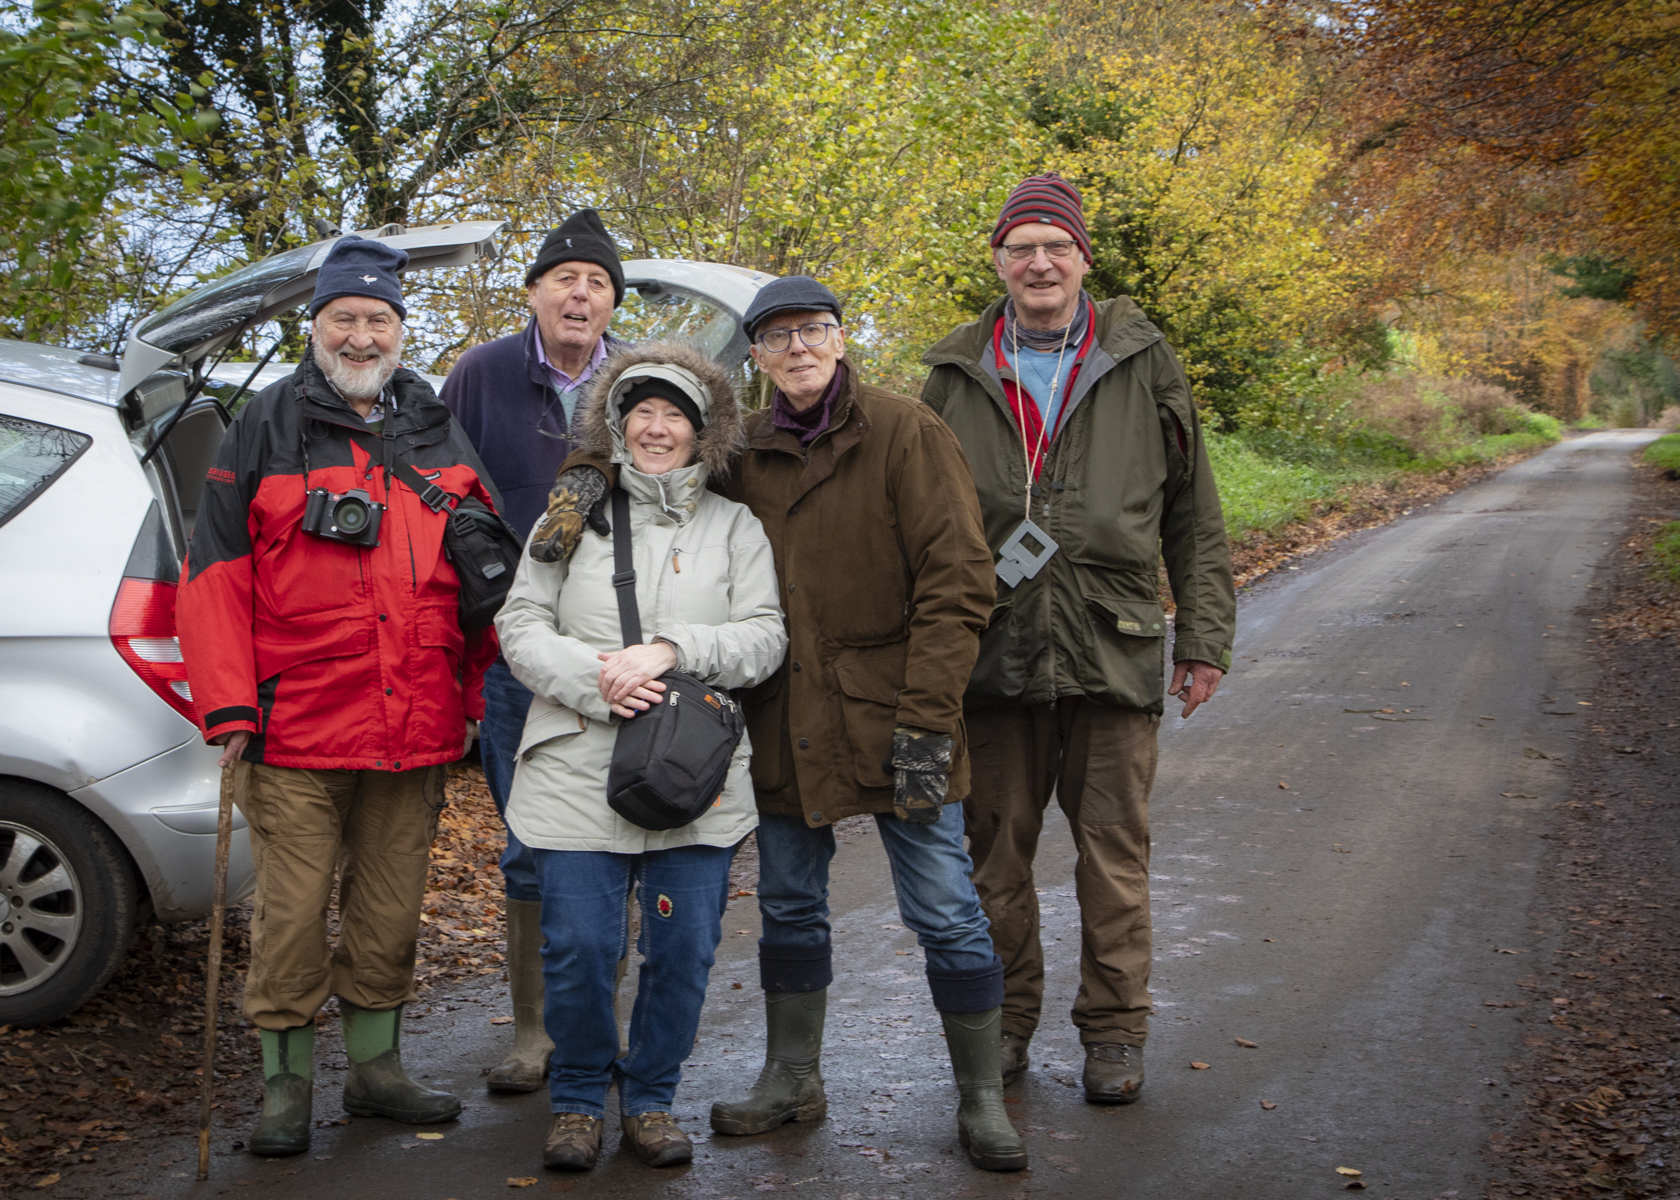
790, 1087
288, 1088
377, 1085
525, 1069
975, 1041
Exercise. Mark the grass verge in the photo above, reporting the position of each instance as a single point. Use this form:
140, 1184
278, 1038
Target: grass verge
1269, 480
1664, 452
1665, 552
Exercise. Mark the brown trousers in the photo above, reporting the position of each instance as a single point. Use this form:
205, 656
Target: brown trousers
374, 831
1099, 761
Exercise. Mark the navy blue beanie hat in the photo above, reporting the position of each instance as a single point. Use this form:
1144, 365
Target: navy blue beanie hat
356, 266
790, 293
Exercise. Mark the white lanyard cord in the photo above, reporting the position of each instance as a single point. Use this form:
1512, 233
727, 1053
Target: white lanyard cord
1028, 453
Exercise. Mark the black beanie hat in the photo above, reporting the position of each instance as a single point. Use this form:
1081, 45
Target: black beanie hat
358, 266
581, 237
661, 390
790, 293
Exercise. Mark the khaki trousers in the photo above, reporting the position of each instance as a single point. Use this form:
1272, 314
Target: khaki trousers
373, 830
1099, 762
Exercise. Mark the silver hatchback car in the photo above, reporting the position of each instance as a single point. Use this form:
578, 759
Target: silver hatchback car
108, 794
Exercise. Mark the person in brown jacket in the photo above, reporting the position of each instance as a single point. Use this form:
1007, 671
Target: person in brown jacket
886, 582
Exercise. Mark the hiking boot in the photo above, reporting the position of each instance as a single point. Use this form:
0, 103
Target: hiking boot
790, 1087
658, 1140
288, 1092
574, 1142
377, 1085
1014, 1058
525, 1069
983, 1128
1113, 1074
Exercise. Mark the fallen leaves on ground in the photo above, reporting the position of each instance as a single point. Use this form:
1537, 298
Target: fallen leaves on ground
1199, 1066
522, 1181
1268, 1105
1246, 1044
1600, 1100
1349, 1171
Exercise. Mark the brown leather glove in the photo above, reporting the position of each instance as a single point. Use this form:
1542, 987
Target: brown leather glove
578, 498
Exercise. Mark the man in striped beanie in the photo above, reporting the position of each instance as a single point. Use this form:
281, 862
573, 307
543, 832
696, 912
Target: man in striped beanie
1088, 458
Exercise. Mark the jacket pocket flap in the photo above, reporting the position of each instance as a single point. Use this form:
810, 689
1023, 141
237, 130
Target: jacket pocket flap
548, 720
875, 674
301, 643
1139, 618
440, 627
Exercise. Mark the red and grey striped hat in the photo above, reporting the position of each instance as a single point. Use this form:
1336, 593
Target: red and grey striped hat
1046, 198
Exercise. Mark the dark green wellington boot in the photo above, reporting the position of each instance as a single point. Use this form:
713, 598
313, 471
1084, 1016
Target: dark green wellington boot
525, 1069
975, 1041
288, 1087
377, 1085
790, 1088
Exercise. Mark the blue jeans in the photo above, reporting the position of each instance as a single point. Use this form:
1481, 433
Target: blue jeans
506, 701
936, 898
586, 929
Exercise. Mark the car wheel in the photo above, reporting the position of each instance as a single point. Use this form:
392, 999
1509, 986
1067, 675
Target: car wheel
68, 903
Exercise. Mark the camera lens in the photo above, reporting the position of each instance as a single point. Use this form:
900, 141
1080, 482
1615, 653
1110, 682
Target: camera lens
350, 515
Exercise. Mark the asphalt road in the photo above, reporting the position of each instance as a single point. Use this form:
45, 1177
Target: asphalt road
1416, 689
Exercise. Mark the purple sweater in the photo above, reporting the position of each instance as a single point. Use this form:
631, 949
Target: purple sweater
501, 395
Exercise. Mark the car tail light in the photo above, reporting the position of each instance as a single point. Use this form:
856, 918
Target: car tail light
143, 631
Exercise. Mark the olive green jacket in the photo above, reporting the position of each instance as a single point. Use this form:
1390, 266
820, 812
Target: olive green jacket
1125, 483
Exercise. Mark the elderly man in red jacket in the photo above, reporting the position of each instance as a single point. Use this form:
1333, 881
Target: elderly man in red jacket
318, 620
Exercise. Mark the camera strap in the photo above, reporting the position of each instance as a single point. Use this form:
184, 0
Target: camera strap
431, 495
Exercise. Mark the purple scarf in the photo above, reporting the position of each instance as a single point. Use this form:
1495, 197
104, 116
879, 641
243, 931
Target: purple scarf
808, 424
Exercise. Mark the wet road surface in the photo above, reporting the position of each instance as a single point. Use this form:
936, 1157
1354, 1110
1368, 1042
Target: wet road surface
1417, 689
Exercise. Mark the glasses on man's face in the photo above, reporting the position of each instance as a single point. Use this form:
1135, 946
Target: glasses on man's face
776, 341
1022, 251
343, 322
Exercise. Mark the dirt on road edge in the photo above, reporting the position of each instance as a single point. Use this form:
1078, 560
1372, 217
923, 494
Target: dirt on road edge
1599, 1077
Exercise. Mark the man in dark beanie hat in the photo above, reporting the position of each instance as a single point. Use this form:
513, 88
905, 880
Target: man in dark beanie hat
1077, 419
886, 583
517, 399
326, 656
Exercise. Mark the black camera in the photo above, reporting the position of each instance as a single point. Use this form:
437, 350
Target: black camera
348, 517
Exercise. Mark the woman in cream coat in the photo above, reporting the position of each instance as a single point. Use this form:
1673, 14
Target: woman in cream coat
706, 590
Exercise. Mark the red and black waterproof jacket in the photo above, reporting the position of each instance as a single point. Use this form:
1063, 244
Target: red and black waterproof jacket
332, 655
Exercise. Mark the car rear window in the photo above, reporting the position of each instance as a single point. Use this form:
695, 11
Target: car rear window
32, 455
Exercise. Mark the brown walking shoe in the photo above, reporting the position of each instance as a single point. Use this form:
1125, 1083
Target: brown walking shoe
1113, 1074
574, 1142
658, 1140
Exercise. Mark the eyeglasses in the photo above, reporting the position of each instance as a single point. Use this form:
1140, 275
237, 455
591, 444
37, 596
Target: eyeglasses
1022, 251
777, 341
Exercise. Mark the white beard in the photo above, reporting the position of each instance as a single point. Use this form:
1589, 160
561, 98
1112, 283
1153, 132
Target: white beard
363, 382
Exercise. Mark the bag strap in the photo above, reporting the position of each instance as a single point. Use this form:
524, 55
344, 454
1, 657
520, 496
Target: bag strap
624, 573
431, 495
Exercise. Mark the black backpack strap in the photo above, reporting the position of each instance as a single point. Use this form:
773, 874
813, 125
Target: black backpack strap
624, 573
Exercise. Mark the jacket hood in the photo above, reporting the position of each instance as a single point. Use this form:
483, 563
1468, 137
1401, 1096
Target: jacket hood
601, 429
1122, 330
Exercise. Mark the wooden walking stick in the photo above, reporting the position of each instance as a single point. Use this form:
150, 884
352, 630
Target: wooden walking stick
213, 980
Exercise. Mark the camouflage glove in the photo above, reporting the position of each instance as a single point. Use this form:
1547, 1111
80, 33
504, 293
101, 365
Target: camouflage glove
921, 765
578, 498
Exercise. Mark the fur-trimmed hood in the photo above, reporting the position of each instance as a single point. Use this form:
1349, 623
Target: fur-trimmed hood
601, 429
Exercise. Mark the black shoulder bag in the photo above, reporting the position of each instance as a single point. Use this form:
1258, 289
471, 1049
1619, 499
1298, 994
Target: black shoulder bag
483, 548
669, 763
